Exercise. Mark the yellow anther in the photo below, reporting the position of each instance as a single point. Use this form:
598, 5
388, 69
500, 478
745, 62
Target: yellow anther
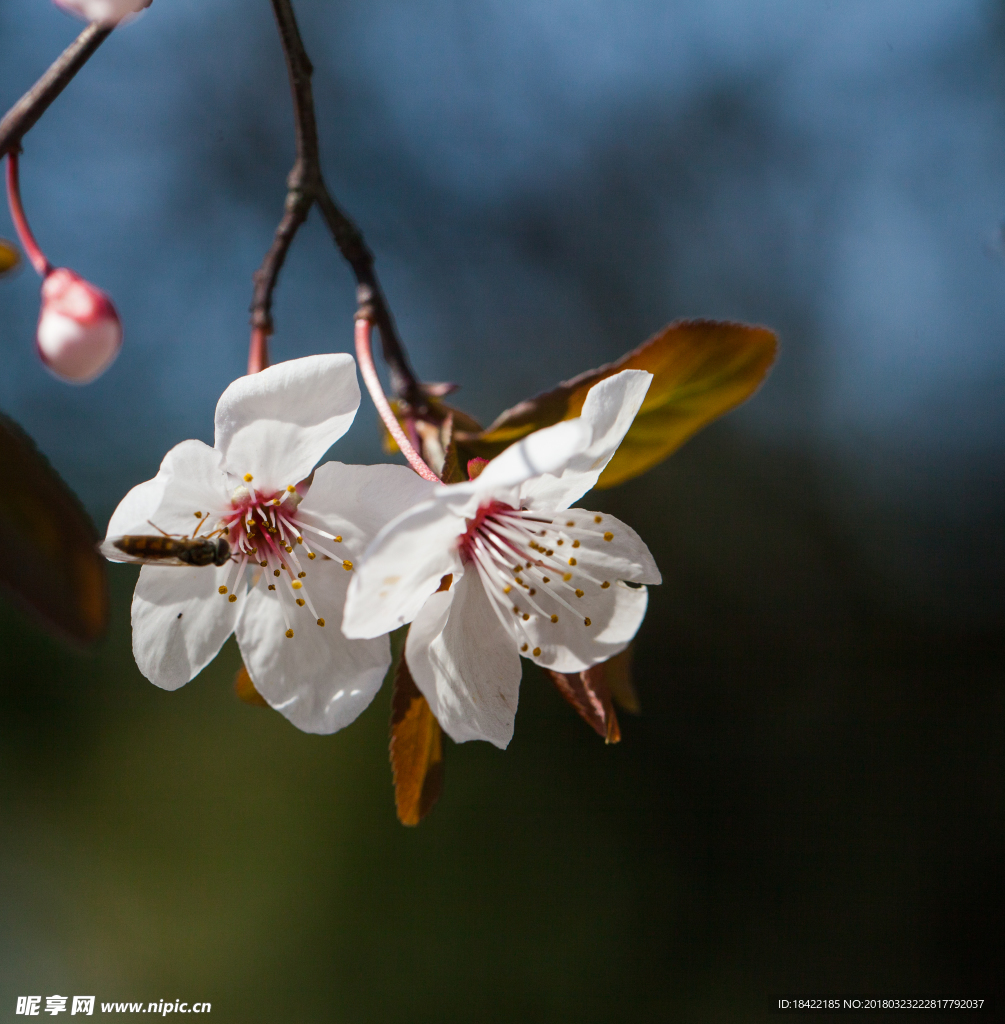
566, 576
296, 584
546, 579
321, 622
579, 593
526, 647
289, 634
275, 572
525, 616
300, 540
598, 519
550, 552
516, 579
608, 535
605, 585
338, 540
282, 565
301, 575
560, 542
223, 590
272, 586
572, 561
248, 478
289, 550
300, 601
528, 565
347, 565
575, 543
516, 611
570, 522
291, 489
264, 565
532, 591
536, 651
507, 589
233, 597
311, 555
198, 515
586, 622
554, 618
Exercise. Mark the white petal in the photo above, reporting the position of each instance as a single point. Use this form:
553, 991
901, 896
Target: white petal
278, 423
465, 664
318, 679
190, 479
180, 621
569, 645
609, 409
406, 562
624, 557
594, 590
355, 502
545, 451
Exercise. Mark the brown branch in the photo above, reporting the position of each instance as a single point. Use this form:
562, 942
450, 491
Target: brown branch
21, 118
305, 187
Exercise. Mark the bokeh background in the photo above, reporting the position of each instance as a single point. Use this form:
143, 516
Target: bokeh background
812, 799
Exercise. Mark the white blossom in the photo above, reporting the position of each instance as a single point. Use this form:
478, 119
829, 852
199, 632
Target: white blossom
292, 535
502, 566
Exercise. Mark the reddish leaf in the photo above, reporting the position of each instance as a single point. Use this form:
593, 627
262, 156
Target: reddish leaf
701, 369
245, 689
590, 695
416, 750
48, 545
618, 676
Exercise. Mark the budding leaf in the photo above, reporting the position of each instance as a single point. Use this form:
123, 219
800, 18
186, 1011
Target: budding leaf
701, 369
245, 689
9, 257
416, 750
48, 545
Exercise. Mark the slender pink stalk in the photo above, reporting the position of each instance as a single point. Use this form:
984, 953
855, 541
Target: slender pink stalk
35, 254
258, 352
364, 357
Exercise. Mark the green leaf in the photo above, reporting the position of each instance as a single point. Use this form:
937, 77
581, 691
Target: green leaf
9, 257
48, 555
701, 369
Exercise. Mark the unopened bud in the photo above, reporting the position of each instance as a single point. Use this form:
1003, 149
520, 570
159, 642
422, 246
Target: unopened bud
79, 332
108, 12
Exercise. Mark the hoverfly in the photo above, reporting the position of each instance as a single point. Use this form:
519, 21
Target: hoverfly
149, 549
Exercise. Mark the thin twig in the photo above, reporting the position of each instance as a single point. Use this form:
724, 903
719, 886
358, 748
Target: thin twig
21, 118
364, 356
305, 187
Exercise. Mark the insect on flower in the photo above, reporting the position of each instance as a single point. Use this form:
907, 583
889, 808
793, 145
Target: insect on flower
167, 549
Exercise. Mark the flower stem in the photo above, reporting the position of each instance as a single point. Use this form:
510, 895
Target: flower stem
364, 355
258, 353
35, 254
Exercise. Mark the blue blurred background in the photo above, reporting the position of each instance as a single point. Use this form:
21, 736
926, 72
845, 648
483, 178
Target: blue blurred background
812, 798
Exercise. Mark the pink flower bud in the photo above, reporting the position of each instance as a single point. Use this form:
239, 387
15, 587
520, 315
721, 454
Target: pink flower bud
108, 12
79, 332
